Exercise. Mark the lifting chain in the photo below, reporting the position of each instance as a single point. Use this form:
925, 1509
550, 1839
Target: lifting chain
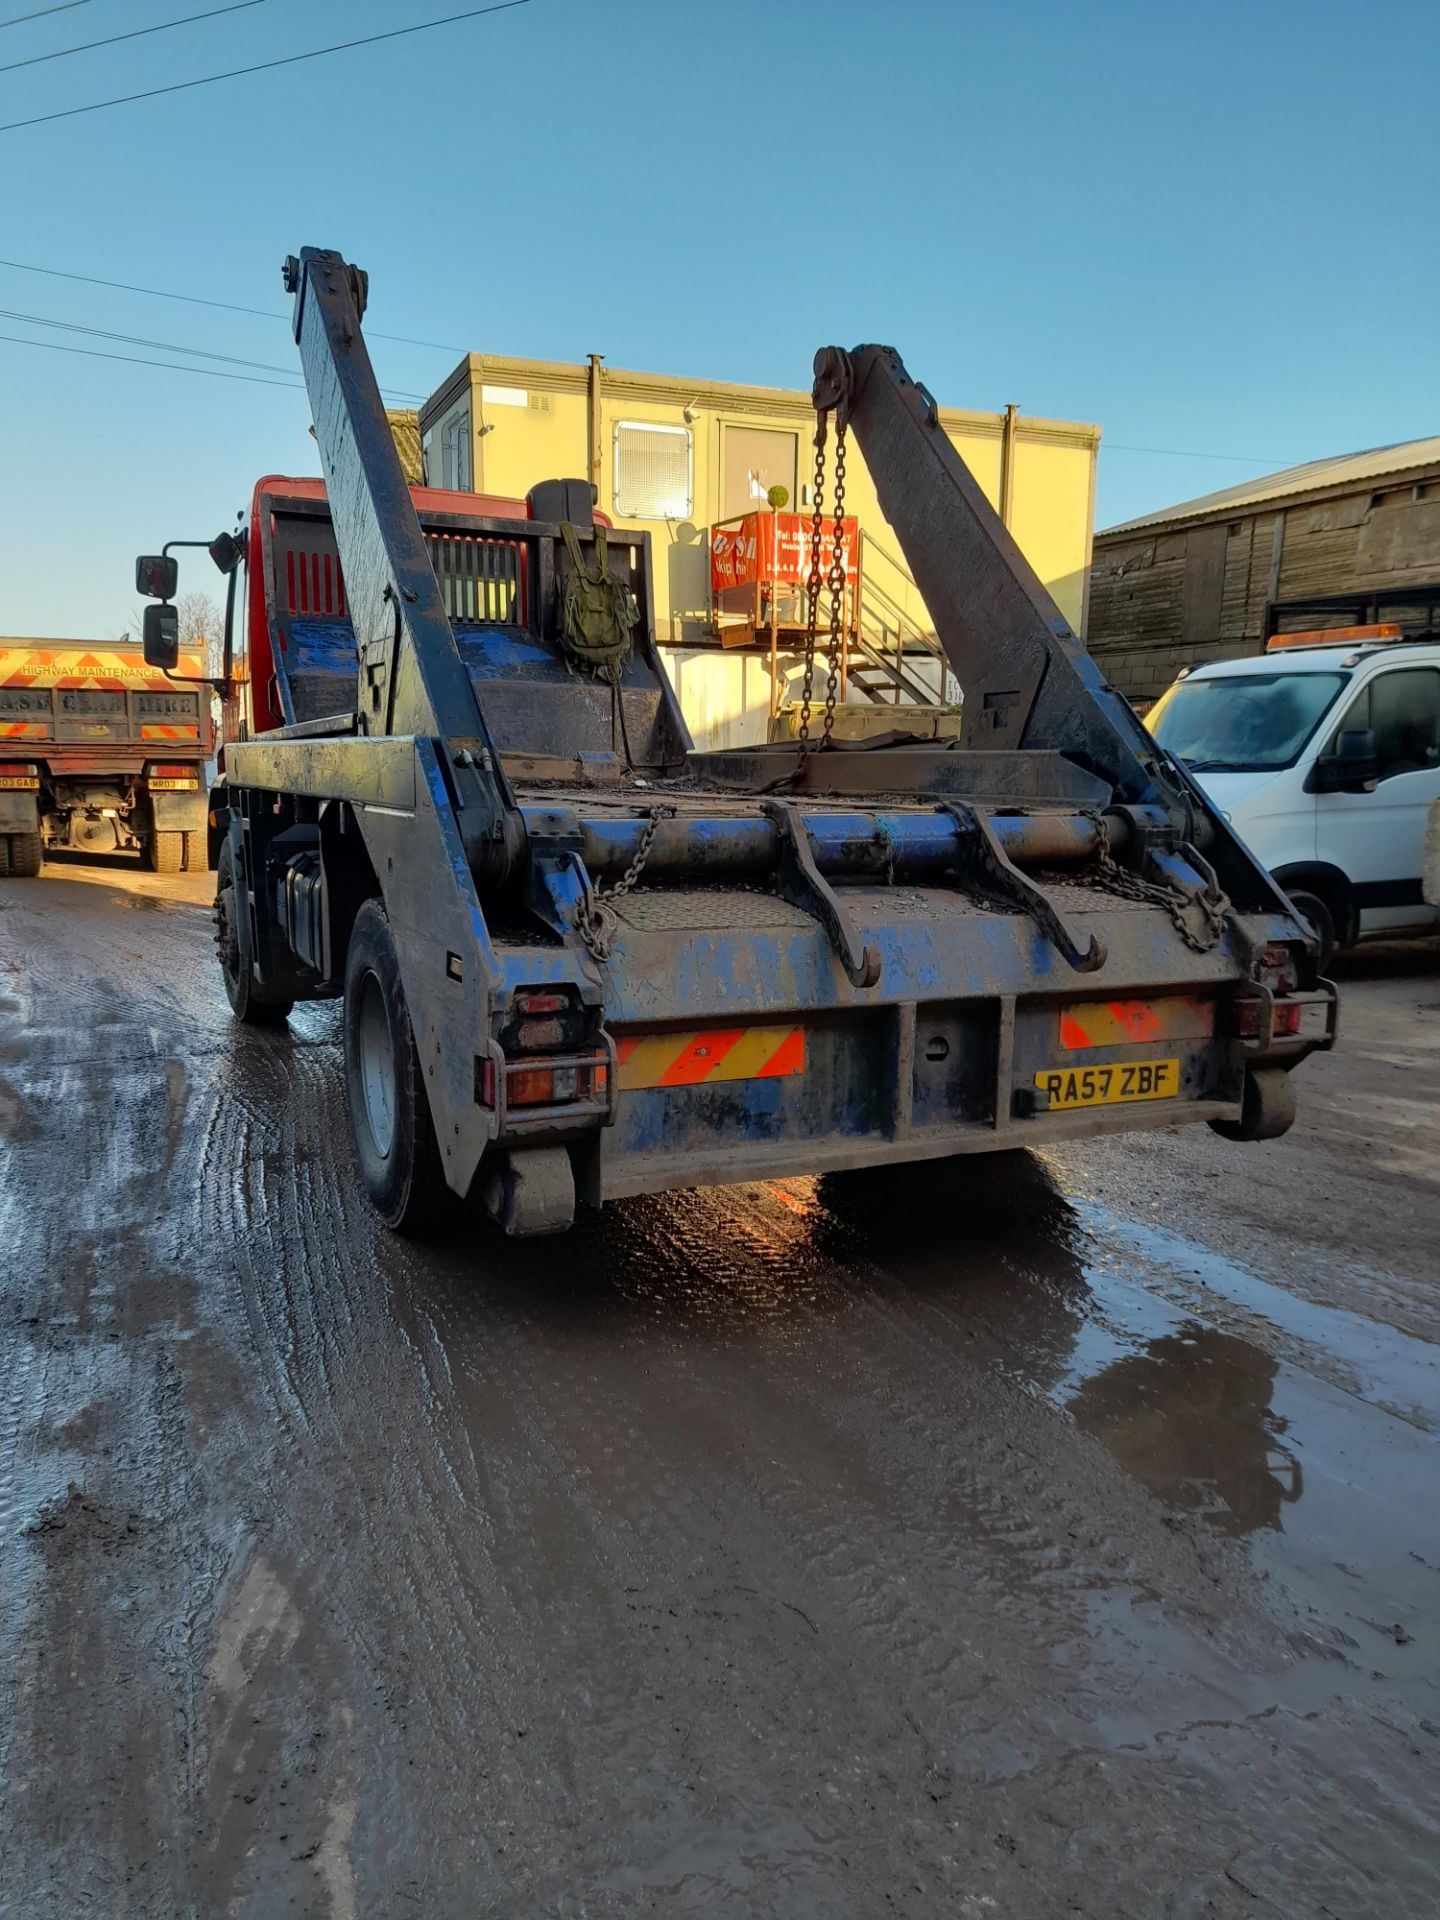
594, 920
834, 578
1213, 905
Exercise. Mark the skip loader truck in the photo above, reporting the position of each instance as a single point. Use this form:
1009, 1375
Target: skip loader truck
100, 753
580, 959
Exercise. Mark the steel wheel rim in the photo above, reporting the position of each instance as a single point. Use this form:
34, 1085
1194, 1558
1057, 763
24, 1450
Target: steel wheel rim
375, 1049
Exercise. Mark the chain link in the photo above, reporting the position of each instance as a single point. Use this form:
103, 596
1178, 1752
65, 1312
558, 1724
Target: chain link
594, 920
1214, 906
837, 586
812, 592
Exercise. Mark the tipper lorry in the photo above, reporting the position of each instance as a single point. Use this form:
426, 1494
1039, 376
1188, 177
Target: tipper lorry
580, 960
100, 753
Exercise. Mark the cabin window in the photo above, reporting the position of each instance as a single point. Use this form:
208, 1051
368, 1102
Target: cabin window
654, 471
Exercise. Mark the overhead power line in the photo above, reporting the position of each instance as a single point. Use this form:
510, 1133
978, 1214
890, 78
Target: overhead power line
1188, 453
161, 346
135, 33
161, 366
65, 6
265, 66
224, 306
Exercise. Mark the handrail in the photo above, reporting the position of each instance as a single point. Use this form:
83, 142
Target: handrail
919, 693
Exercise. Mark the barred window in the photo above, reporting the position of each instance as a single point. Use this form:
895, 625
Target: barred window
654, 471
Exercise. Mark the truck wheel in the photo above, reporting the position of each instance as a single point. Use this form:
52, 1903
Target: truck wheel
195, 861
25, 855
4, 855
390, 1122
247, 1001
165, 852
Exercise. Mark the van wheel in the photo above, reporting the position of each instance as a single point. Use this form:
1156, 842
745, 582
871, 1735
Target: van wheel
390, 1124
247, 1002
26, 855
1313, 910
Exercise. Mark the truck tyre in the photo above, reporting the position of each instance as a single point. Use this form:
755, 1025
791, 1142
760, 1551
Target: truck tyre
4, 855
195, 861
248, 1002
165, 852
25, 855
390, 1124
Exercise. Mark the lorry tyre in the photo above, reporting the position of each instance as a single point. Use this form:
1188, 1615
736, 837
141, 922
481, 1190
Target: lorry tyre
25, 855
1312, 909
4, 855
165, 852
390, 1122
248, 1002
195, 861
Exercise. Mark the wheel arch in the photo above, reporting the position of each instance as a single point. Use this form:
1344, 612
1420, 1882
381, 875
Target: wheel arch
1332, 886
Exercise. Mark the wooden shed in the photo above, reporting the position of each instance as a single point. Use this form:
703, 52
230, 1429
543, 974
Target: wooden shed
1210, 578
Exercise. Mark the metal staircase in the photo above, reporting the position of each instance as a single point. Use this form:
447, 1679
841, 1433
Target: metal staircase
895, 658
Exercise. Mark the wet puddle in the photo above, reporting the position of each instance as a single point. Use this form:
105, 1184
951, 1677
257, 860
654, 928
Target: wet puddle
1335, 1490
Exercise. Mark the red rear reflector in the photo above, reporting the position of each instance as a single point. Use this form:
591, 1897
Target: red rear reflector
178, 772
531, 1003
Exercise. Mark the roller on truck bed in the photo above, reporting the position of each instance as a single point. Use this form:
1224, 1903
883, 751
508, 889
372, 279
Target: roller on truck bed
581, 960
100, 752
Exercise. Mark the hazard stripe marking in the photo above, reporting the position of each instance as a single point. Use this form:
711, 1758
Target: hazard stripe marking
716, 1053
1121, 1023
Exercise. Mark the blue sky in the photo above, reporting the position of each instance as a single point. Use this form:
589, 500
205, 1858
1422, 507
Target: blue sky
1207, 227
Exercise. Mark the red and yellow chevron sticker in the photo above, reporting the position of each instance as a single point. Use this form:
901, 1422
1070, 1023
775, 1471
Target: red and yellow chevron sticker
716, 1053
1123, 1023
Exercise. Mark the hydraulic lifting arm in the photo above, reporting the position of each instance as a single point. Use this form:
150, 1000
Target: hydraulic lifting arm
1027, 680
412, 680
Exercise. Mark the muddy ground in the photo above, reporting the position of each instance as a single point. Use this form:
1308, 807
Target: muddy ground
1053, 1536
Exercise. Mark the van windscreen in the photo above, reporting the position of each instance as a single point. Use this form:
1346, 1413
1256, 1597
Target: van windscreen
1243, 723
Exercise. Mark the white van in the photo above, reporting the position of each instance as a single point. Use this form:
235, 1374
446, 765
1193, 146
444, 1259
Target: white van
1324, 754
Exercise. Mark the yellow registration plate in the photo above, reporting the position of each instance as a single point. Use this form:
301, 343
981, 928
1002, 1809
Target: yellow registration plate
1108, 1086
173, 786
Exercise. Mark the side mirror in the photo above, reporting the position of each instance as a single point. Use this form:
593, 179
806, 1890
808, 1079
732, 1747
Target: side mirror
162, 638
1352, 766
157, 575
226, 551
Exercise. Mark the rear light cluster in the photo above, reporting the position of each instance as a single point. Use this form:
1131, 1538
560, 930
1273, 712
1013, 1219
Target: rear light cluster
545, 1083
19, 773
1285, 1023
550, 1060
179, 772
